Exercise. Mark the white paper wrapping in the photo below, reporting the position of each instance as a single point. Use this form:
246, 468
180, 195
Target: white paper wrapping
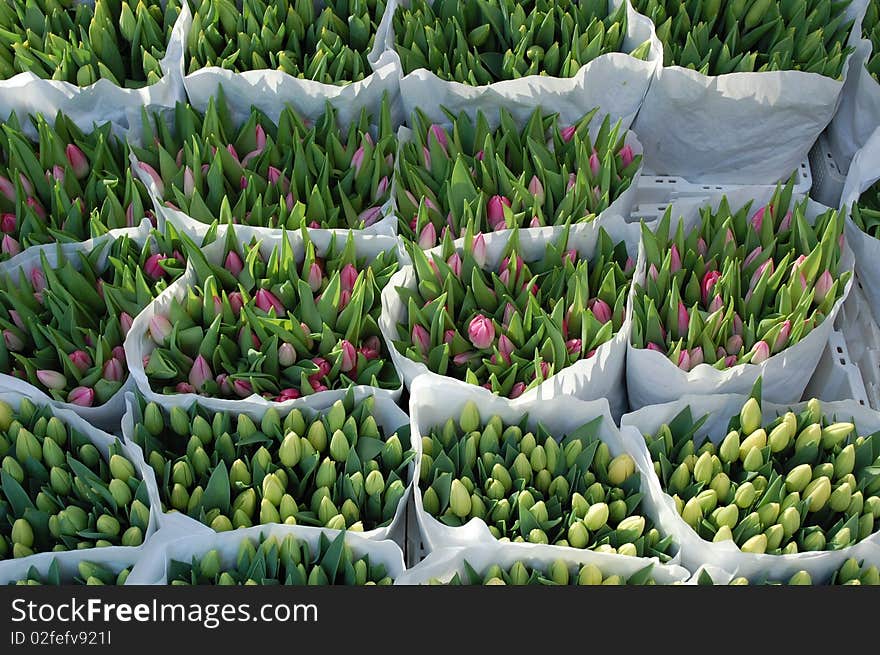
859, 112
102, 101
614, 82
432, 403
864, 171
651, 377
138, 343
104, 416
445, 563
696, 551
389, 417
114, 556
739, 128
600, 376
182, 546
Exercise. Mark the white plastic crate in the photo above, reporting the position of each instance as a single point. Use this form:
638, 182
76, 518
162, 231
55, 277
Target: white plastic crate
828, 178
658, 189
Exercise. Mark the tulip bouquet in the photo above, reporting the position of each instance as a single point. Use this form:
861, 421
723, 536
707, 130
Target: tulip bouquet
802, 481
88, 573
287, 174
67, 186
559, 573
866, 212
62, 489
288, 561
740, 285
871, 31
343, 467
279, 321
536, 487
116, 40
744, 36
511, 327
478, 43
328, 45
64, 316
852, 572
474, 176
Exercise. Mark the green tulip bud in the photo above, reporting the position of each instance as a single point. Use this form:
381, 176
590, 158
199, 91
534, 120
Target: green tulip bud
723, 534
559, 572
225, 449
798, 478
834, 434
872, 506
431, 502
745, 495
539, 511
107, 525
501, 512
848, 571
59, 480
182, 474
817, 493
271, 423
538, 459
392, 452
727, 516
866, 526
768, 513
775, 533
22, 533
579, 505
620, 469
28, 447
179, 497
336, 416
781, 436
269, 512
522, 469
20, 550
52, 454
288, 507
721, 486
132, 537
374, 484
459, 499
825, 469
153, 421
729, 450
856, 505
317, 436
754, 460
790, 520
571, 451
692, 513
814, 541
755, 544
841, 497
469, 419
537, 536
757, 439
631, 528
121, 468
841, 539
617, 511
246, 501
202, 429
7, 414
590, 575
245, 426
810, 435
195, 501
578, 535
179, 421
791, 500
845, 461
559, 487
703, 469
527, 444
239, 474
519, 575
800, 578
596, 516
871, 576
750, 416
200, 462
273, 488
294, 422
138, 514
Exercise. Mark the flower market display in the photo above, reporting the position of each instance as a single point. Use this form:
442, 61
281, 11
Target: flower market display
273, 322
67, 186
115, 40
328, 45
287, 173
439, 293
488, 41
338, 468
472, 175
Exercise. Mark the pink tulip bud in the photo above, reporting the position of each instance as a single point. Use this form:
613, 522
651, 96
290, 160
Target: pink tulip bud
26, 184
652, 272
752, 256
154, 177
737, 325
462, 359
347, 277
349, 356
371, 348
232, 151
675, 260
81, 396
439, 134
184, 387
113, 370
235, 303
572, 179
684, 319
381, 188
357, 159
535, 222
421, 339
242, 388
315, 277
323, 367
344, 299
654, 347
481, 331
505, 277
495, 209
51, 379
509, 311
77, 160
571, 256
189, 182
574, 346
684, 361
153, 268
782, 338
119, 353
8, 223
454, 263
7, 188
716, 304
34, 204
80, 359
448, 336
273, 175
16, 318
709, 280
288, 394
702, 248
545, 370
125, 321
785, 223
626, 155
260, 135
178, 159
696, 355
517, 390
428, 237
13, 342
479, 251
756, 276
505, 347
567, 133
426, 157
536, 188
758, 219
601, 310
317, 385
266, 300
286, 354
594, 163
823, 286
760, 352
200, 373
38, 280
720, 352
730, 360
734, 345
370, 215
222, 381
